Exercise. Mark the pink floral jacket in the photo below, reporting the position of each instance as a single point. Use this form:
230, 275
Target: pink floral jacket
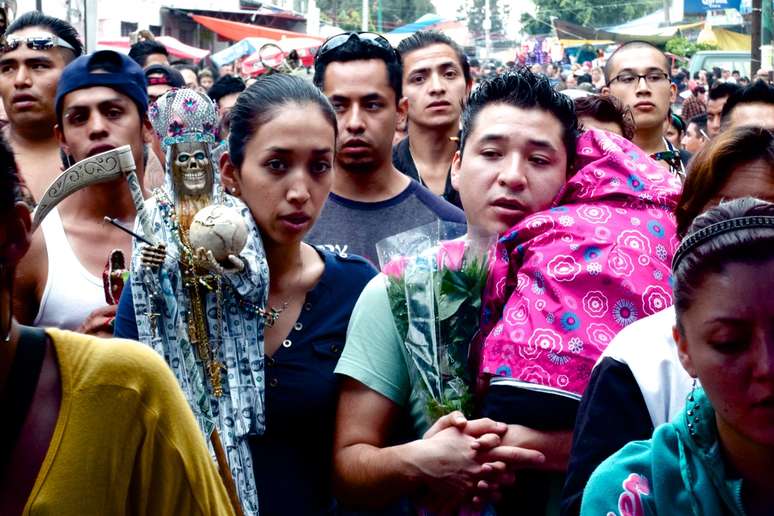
566, 280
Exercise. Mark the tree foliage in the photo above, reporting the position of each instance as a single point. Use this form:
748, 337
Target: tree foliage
589, 13
347, 14
680, 46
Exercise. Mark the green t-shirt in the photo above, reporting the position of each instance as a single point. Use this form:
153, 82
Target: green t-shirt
373, 354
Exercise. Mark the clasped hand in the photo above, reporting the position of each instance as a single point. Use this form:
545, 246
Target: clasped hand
467, 465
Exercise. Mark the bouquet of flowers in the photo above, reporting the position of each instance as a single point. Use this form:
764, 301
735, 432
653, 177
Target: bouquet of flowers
434, 285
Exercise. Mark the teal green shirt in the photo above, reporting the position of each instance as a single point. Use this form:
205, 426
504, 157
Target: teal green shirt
373, 354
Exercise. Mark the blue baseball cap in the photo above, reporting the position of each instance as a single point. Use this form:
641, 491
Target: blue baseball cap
104, 68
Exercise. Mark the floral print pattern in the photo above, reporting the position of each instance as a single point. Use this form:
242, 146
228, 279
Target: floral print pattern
564, 281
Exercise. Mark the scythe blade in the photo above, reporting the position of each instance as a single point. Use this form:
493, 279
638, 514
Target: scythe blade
100, 168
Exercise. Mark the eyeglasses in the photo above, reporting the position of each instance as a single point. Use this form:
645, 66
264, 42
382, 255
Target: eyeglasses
369, 38
34, 43
652, 77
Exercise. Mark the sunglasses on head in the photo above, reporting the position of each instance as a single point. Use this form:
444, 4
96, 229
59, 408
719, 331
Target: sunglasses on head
34, 43
368, 38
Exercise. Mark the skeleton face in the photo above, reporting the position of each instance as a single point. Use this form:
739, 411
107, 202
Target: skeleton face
192, 168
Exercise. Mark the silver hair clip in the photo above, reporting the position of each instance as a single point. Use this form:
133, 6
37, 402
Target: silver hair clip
699, 237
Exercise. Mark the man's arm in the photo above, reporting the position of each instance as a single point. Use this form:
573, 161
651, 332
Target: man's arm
31, 277
446, 466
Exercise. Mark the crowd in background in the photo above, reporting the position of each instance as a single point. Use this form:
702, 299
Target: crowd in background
624, 350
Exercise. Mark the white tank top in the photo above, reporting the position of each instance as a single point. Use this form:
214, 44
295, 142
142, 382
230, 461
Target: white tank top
71, 292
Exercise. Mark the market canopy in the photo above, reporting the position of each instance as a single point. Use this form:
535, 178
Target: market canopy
423, 23
243, 48
725, 39
455, 29
237, 31
568, 30
175, 47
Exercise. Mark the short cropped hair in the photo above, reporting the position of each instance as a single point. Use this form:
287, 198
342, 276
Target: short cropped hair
355, 50
722, 90
57, 27
633, 44
701, 122
426, 38
522, 89
225, 85
142, 49
756, 92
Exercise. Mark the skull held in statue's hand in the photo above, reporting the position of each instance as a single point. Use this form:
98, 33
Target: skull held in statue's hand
219, 229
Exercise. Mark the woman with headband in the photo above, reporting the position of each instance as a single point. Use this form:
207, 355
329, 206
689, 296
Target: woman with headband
716, 456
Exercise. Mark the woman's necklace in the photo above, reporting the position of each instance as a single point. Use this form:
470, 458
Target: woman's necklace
272, 315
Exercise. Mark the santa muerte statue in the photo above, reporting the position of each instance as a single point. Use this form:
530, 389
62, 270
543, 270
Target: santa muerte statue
200, 285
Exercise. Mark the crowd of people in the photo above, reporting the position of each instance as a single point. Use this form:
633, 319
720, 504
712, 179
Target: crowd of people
623, 354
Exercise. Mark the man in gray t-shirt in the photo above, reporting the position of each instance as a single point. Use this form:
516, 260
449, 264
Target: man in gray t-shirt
370, 199
354, 227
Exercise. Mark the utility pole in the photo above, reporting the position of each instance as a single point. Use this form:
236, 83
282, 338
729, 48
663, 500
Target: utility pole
755, 50
364, 24
667, 22
90, 25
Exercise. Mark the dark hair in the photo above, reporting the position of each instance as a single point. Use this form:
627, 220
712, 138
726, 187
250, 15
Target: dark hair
722, 90
59, 28
712, 166
606, 108
741, 244
758, 91
633, 44
426, 38
258, 104
355, 50
701, 122
11, 183
225, 85
142, 49
522, 89
186, 66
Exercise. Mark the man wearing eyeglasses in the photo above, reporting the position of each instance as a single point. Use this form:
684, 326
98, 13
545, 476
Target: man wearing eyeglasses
638, 74
35, 49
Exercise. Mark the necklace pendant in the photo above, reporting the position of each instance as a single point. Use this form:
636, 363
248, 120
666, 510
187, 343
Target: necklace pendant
215, 368
272, 316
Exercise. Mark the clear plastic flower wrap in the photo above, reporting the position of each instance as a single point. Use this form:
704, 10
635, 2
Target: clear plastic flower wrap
435, 275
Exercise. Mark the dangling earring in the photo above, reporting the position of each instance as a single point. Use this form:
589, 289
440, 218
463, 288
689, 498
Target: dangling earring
693, 410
